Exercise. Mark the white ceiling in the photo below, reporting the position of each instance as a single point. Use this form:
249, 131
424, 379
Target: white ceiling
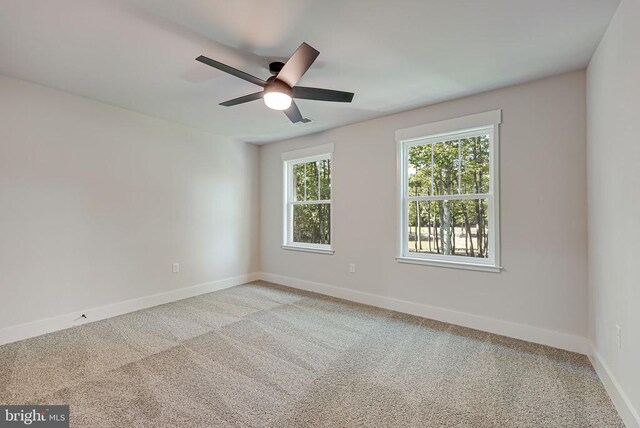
395, 55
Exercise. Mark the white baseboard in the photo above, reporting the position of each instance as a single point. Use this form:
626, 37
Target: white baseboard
61, 322
630, 415
542, 336
492, 325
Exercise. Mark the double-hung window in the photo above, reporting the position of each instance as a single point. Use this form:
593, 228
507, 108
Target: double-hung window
448, 205
307, 197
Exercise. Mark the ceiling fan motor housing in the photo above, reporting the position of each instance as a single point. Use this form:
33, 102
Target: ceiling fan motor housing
275, 85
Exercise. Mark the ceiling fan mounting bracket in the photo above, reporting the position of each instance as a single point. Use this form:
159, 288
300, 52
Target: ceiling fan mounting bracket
275, 67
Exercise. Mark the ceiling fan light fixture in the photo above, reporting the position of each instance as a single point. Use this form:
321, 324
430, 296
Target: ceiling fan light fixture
277, 100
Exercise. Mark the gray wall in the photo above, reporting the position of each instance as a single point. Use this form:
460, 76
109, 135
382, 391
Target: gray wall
613, 153
543, 199
97, 202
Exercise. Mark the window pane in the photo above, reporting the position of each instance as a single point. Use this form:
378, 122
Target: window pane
449, 227
311, 223
419, 170
474, 175
445, 168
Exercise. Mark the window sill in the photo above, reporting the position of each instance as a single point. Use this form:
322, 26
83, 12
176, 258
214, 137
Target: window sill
449, 264
308, 249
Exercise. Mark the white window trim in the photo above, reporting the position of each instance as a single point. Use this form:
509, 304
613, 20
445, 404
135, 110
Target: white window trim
309, 154
433, 132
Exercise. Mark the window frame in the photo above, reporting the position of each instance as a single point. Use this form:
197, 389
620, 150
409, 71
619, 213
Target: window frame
289, 159
452, 129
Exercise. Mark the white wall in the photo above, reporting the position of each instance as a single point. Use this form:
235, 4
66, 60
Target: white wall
96, 202
613, 153
543, 201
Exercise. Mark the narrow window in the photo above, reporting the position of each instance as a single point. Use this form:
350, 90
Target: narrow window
307, 211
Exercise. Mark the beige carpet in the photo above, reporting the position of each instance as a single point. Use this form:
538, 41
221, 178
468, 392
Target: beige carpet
260, 355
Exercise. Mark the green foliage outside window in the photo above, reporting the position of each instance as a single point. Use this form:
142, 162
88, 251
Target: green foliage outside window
311, 221
449, 227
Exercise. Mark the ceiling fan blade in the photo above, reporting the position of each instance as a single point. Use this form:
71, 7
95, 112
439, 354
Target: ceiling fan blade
241, 100
322, 94
233, 71
294, 115
298, 64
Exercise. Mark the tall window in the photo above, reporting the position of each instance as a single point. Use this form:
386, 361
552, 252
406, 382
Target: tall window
307, 211
449, 204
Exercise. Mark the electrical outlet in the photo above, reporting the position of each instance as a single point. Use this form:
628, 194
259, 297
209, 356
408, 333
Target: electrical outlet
175, 267
352, 267
619, 336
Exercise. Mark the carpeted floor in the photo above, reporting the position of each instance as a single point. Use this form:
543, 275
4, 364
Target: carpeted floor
261, 355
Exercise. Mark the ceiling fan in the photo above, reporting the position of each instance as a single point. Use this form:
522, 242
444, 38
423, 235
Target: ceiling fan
280, 89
